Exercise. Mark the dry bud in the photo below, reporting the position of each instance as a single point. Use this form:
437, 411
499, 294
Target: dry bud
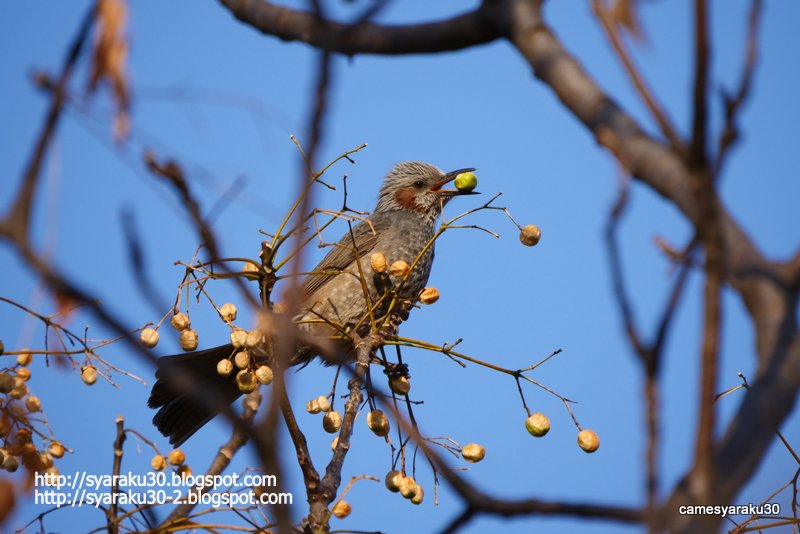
538, 424
184, 471
246, 381
33, 404
530, 235
158, 463
429, 295
224, 367
378, 422
392, 481
341, 509
264, 374
399, 268
176, 457
472, 452
24, 358
180, 321
324, 404
332, 422
408, 487
417, 498
241, 359
188, 339
228, 312
56, 449
149, 337
378, 262
88, 374
238, 338
588, 440
400, 385
334, 443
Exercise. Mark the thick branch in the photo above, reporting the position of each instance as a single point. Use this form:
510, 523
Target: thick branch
764, 287
462, 31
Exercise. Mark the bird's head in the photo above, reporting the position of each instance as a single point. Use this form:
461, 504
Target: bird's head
419, 187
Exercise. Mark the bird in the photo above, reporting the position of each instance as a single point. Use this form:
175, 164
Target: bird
401, 227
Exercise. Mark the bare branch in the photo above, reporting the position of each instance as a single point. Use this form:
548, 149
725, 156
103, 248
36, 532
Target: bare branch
609, 25
459, 32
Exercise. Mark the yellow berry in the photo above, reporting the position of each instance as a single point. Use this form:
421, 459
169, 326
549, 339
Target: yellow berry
188, 339
264, 374
33, 404
6, 383
88, 374
254, 338
149, 337
399, 268
56, 449
19, 391
176, 457
538, 424
24, 358
238, 338
392, 481
228, 312
341, 509
224, 367
417, 498
51, 476
180, 321
323, 403
530, 235
400, 385
312, 406
158, 463
250, 270
378, 262
378, 422
408, 487
246, 381
241, 359
23, 374
185, 471
429, 295
10, 463
588, 441
332, 422
472, 452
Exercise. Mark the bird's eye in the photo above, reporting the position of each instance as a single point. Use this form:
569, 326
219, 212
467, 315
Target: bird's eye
418, 184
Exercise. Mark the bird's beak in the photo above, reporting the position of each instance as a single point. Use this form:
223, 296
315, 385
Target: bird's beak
449, 177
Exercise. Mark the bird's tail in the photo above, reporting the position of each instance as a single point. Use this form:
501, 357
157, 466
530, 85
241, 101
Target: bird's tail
181, 414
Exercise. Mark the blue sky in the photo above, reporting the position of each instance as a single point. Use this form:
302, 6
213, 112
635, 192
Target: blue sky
222, 100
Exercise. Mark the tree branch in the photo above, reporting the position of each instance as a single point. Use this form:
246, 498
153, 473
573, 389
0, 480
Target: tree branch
288, 24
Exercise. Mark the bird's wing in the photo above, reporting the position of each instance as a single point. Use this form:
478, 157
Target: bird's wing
363, 239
